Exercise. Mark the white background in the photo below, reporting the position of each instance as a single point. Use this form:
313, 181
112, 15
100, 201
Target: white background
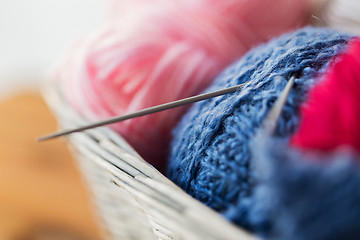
34, 34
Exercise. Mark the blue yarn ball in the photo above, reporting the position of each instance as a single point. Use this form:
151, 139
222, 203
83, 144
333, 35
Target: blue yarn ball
300, 196
211, 158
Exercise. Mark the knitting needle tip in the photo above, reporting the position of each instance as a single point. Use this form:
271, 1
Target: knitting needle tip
145, 111
50, 136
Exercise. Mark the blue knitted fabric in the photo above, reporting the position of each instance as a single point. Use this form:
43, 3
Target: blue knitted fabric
305, 195
210, 154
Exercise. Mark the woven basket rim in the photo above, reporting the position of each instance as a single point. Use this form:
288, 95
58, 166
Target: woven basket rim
160, 198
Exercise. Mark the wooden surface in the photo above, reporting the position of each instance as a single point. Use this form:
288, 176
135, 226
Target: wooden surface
42, 194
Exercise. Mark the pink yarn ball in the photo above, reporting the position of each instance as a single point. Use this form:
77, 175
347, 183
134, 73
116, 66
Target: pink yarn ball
162, 52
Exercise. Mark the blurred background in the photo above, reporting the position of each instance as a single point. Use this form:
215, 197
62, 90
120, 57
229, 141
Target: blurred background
35, 33
42, 195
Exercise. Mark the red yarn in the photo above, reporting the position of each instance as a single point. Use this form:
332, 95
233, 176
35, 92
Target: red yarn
331, 116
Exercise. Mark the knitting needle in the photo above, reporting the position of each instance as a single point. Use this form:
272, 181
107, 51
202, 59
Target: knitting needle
275, 112
146, 111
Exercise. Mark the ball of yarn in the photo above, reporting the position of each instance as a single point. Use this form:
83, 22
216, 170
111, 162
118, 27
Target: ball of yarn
211, 158
309, 189
342, 15
305, 195
160, 51
331, 115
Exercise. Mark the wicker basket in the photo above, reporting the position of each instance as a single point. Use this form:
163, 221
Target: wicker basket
134, 201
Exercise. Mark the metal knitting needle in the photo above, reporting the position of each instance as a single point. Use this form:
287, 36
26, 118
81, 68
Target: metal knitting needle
275, 112
146, 111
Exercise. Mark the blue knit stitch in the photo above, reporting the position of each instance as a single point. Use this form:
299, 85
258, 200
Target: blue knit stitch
305, 195
210, 155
